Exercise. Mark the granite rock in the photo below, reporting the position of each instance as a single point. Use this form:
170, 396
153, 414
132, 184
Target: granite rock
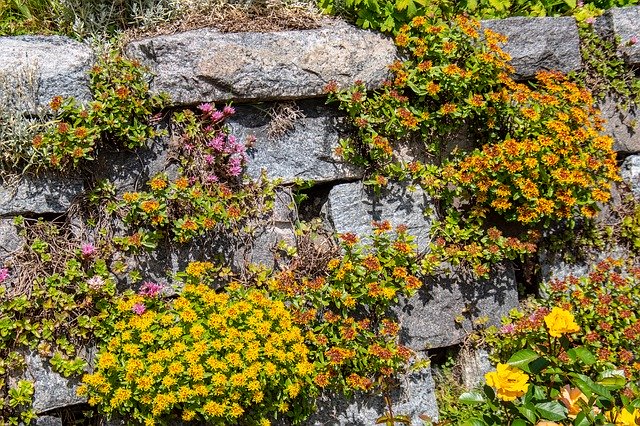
51, 390
622, 125
43, 67
38, 195
10, 241
205, 65
537, 44
352, 207
48, 421
474, 364
445, 309
630, 172
624, 23
304, 151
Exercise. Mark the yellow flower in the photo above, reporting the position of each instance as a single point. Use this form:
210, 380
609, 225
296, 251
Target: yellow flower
560, 322
569, 397
622, 417
509, 382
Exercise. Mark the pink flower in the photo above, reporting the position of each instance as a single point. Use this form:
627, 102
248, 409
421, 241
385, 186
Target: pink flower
580, 3
4, 274
633, 40
209, 158
88, 250
228, 110
590, 20
507, 329
205, 108
217, 143
138, 308
95, 283
235, 165
150, 289
212, 178
217, 116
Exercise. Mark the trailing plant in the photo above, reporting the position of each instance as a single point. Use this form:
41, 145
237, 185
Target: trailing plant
50, 299
538, 157
122, 113
211, 189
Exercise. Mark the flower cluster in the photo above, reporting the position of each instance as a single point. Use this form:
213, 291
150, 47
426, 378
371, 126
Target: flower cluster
345, 310
210, 189
218, 357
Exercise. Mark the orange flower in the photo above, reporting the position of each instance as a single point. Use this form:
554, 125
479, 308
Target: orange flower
569, 397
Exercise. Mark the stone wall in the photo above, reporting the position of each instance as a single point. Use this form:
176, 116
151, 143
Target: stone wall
258, 72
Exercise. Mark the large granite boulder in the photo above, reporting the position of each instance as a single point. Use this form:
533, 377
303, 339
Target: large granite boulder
537, 44
206, 65
414, 397
624, 23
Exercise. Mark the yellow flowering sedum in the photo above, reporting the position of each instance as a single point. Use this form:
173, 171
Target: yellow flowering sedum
560, 321
509, 382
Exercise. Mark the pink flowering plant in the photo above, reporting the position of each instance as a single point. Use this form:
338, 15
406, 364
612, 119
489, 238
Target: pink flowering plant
211, 188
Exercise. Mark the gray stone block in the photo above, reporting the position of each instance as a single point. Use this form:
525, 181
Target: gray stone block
45, 66
474, 364
630, 172
10, 241
40, 195
51, 390
622, 125
306, 151
414, 397
446, 309
537, 44
352, 207
624, 23
206, 65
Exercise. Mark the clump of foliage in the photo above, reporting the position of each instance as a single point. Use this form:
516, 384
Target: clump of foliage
604, 69
538, 157
219, 357
52, 311
121, 113
210, 190
262, 346
569, 358
391, 15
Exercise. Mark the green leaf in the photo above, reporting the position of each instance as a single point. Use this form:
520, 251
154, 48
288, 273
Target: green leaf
472, 397
474, 422
528, 412
571, 3
581, 420
518, 422
521, 359
612, 379
583, 354
552, 410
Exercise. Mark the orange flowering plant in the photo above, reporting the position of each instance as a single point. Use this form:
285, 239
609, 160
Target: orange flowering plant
579, 348
121, 113
487, 149
345, 308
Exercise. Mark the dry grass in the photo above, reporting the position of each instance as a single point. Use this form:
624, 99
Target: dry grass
283, 119
275, 15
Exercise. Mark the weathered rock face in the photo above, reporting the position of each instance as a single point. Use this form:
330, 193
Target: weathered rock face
630, 172
474, 364
414, 397
352, 207
305, 151
45, 67
445, 309
38, 195
622, 125
205, 65
51, 390
624, 23
537, 44
10, 241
